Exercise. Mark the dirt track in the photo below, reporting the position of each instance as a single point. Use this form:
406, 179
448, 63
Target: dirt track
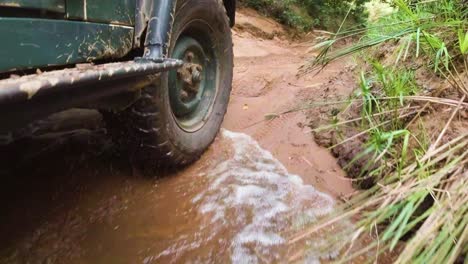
268, 84
67, 197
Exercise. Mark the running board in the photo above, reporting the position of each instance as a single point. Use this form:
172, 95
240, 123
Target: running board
27, 98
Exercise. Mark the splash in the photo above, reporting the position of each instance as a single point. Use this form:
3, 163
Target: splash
263, 195
250, 203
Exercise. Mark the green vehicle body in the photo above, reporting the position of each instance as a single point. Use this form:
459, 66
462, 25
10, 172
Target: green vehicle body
45, 35
90, 30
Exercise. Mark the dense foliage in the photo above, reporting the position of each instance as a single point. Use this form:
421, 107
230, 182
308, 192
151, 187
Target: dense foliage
329, 14
284, 11
306, 14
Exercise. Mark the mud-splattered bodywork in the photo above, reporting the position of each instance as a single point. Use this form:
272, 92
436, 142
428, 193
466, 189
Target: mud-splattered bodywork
40, 34
50, 35
39, 43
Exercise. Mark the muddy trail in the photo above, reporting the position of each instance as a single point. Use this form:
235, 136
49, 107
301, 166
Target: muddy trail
68, 197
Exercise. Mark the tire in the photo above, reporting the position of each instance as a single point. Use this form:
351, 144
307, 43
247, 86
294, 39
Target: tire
155, 135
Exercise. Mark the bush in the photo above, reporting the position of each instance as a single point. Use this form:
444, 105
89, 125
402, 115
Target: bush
286, 12
306, 14
329, 14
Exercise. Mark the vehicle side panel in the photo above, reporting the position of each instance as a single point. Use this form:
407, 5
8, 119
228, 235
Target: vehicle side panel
47, 5
35, 43
121, 12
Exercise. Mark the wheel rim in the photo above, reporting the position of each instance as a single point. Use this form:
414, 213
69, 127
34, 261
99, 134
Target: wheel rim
192, 88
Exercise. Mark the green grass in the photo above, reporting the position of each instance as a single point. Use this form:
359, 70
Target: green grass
421, 174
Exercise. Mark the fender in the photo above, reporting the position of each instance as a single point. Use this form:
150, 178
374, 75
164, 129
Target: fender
155, 17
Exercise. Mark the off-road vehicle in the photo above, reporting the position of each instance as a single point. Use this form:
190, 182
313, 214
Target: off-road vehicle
159, 71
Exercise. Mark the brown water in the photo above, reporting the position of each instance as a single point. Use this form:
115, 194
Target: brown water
67, 197
238, 204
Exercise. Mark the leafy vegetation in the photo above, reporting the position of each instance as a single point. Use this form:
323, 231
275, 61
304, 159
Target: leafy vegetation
286, 12
413, 118
306, 14
329, 14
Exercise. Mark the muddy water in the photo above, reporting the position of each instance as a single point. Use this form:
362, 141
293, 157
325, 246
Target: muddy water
243, 209
238, 204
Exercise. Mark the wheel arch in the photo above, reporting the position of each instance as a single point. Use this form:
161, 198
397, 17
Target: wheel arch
144, 9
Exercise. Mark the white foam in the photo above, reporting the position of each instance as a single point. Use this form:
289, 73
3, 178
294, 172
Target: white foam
262, 192
252, 200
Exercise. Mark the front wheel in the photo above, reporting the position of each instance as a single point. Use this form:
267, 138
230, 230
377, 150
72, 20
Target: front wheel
180, 114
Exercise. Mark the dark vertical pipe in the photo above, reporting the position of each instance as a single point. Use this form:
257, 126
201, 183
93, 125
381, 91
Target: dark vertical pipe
159, 30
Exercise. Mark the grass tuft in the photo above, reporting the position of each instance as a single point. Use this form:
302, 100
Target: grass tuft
412, 118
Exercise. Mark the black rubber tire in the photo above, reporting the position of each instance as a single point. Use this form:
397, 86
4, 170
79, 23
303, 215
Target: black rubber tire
148, 130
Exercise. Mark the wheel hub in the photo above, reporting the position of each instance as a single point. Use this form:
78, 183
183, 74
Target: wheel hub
190, 75
192, 88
